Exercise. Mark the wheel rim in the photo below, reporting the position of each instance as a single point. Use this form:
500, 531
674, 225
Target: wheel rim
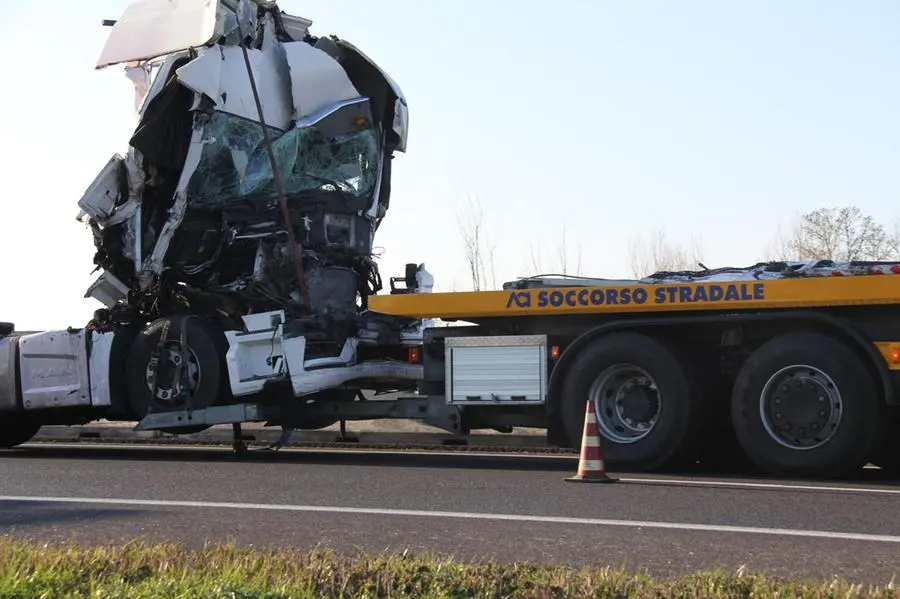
627, 402
801, 407
171, 394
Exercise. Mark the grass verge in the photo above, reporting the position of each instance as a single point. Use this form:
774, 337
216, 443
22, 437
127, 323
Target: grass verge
137, 571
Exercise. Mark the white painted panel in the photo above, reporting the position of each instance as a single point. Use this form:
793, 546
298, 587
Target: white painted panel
107, 289
101, 352
152, 28
297, 27
53, 369
101, 196
221, 74
254, 357
317, 80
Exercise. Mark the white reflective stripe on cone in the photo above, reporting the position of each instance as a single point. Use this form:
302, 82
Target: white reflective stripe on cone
592, 465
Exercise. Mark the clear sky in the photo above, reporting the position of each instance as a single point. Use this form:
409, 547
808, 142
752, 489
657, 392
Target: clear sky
717, 119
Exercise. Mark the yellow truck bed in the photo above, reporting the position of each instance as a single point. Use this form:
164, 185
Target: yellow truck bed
859, 290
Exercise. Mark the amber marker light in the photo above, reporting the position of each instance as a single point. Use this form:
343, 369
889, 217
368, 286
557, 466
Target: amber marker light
414, 355
891, 352
554, 352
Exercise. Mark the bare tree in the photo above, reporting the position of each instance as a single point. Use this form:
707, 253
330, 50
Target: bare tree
559, 266
562, 255
656, 253
536, 264
479, 248
836, 234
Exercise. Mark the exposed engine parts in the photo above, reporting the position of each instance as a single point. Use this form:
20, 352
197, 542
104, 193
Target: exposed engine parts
189, 219
250, 192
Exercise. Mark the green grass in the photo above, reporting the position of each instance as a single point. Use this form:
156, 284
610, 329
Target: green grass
136, 571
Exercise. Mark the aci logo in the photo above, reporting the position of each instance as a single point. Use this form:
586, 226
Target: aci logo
631, 296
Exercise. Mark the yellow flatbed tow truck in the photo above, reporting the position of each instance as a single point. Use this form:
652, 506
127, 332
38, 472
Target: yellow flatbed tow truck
797, 362
239, 284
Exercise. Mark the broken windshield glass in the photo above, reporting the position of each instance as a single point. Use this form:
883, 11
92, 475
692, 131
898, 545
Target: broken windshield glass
234, 166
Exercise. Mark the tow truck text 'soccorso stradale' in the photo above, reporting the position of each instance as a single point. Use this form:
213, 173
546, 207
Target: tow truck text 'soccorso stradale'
626, 296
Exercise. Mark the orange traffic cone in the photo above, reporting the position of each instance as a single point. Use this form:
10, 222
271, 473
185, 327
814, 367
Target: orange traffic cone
590, 464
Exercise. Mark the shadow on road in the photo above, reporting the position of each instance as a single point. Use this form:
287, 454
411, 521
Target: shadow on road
21, 514
335, 457
381, 458
399, 459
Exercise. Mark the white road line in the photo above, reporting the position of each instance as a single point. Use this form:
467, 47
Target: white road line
748, 485
788, 532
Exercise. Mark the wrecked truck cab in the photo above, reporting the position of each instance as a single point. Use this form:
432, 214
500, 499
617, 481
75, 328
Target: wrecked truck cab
251, 190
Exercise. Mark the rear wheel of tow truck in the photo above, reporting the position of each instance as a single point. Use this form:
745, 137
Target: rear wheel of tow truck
203, 370
17, 428
804, 404
642, 396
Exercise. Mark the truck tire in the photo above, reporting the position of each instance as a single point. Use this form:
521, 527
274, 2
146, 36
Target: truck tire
206, 364
17, 428
804, 404
643, 399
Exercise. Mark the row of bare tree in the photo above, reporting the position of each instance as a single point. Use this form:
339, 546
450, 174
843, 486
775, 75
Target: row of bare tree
825, 234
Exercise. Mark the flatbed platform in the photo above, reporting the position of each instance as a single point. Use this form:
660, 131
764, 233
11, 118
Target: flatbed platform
642, 297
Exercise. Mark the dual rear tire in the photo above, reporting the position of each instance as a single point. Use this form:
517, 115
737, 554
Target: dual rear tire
804, 404
801, 405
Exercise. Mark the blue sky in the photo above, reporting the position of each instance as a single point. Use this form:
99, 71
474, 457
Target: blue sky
611, 119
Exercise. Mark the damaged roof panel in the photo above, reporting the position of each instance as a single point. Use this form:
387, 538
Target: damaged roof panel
221, 74
317, 80
153, 28
296, 27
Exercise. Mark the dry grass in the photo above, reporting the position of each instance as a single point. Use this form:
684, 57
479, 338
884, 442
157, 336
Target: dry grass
139, 571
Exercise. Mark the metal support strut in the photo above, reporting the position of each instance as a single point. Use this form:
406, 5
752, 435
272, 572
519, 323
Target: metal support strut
237, 443
282, 440
240, 447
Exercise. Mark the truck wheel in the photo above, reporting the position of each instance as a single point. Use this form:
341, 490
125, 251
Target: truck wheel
643, 400
804, 404
204, 369
17, 428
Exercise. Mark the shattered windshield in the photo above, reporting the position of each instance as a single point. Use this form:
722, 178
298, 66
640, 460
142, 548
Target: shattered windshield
234, 166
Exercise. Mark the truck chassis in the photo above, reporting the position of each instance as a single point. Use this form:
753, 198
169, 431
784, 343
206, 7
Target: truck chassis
801, 377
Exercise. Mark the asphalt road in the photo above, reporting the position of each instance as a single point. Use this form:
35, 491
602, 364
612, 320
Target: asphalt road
505, 508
